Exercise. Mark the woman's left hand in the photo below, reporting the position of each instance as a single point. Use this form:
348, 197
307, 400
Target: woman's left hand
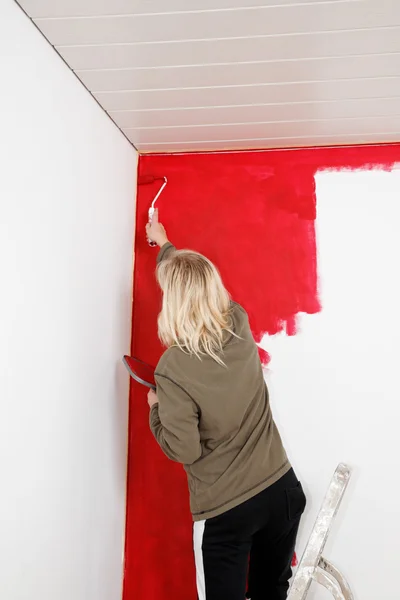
152, 398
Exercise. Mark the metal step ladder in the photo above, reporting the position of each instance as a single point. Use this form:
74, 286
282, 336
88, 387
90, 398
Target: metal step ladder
313, 566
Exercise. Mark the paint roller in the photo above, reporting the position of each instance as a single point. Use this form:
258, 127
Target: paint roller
140, 371
147, 180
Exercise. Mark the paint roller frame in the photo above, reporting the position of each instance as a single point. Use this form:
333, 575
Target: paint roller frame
146, 180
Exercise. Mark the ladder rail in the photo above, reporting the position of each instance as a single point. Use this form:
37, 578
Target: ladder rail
312, 566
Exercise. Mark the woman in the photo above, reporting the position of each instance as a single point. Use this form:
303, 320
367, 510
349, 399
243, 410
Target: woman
211, 413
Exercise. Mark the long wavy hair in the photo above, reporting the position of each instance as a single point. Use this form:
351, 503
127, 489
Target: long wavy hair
196, 307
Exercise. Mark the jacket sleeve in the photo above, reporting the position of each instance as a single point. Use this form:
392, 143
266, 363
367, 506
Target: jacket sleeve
165, 251
174, 422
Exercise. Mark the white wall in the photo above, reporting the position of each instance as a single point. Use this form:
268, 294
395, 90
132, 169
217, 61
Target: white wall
67, 200
335, 386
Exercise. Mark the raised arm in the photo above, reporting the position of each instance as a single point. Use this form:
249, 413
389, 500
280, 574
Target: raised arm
155, 232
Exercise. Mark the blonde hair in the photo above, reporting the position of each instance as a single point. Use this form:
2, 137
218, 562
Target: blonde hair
196, 308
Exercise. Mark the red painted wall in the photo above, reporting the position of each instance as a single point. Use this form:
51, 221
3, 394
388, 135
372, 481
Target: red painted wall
253, 214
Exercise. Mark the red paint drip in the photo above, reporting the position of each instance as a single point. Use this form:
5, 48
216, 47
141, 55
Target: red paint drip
253, 215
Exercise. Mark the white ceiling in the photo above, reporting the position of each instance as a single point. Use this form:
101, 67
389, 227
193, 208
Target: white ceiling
226, 74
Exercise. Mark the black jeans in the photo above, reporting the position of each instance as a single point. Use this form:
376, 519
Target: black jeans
264, 530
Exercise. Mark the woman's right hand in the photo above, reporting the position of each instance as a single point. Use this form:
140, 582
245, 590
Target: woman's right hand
155, 231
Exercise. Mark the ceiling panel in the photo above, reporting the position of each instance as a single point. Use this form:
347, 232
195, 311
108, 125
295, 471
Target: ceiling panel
208, 52
242, 114
88, 8
385, 65
276, 20
281, 142
266, 130
340, 91
210, 74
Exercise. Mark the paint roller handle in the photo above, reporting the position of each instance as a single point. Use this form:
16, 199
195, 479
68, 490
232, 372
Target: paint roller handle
155, 231
148, 227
